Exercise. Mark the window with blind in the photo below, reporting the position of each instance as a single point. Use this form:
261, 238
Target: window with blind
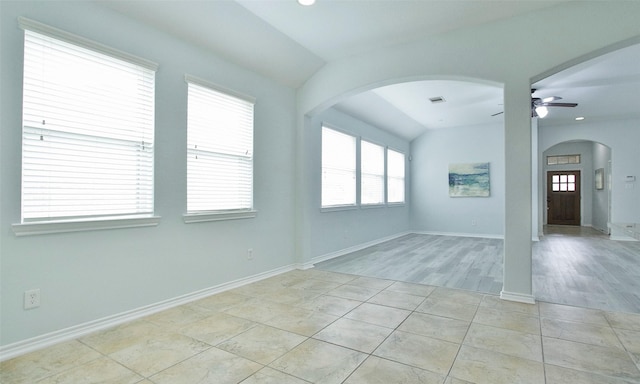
220, 149
395, 176
371, 173
338, 168
88, 129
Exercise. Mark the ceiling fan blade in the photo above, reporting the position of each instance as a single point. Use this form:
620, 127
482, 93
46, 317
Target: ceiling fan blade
496, 114
550, 99
559, 104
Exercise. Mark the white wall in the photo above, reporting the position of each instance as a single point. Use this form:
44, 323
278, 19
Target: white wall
331, 231
90, 275
432, 210
622, 137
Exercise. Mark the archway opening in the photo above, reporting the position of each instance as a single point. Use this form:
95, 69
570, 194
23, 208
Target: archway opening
444, 122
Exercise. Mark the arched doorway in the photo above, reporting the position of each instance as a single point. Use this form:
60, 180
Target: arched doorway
572, 171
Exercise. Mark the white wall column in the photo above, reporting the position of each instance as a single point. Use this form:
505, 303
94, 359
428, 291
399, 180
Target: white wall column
517, 284
538, 204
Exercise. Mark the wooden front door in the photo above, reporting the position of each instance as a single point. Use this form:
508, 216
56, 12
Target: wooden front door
563, 197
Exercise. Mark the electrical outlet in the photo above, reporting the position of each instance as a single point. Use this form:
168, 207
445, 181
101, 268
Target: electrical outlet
250, 254
473, 223
32, 298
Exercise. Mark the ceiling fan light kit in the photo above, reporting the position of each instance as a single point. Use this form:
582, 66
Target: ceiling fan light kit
541, 112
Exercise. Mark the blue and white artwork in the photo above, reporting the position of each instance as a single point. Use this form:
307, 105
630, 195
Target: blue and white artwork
469, 180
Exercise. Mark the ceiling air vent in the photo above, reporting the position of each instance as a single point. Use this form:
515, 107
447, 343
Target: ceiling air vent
438, 99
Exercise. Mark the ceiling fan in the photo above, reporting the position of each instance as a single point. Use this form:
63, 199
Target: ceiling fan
539, 105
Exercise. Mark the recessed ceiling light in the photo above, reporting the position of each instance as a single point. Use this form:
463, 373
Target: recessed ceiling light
437, 99
306, 2
580, 118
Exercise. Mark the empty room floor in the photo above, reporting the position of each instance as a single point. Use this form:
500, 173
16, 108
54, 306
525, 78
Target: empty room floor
316, 326
571, 265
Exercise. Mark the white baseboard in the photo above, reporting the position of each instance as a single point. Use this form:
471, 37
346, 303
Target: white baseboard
518, 297
342, 252
624, 231
622, 238
458, 234
29, 345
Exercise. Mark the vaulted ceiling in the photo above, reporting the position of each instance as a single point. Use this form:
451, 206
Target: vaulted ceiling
289, 43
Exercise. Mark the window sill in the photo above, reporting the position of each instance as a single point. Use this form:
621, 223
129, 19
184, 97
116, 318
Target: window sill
218, 216
373, 206
62, 226
337, 208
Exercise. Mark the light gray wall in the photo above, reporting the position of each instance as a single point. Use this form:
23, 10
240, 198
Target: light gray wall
600, 215
432, 210
622, 137
90, 275
331, 231
585, 150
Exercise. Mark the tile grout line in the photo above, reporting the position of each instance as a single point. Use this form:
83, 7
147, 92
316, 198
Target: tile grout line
387, 337
462, 341
544, 364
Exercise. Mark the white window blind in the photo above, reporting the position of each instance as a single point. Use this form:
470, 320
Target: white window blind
395, 176
88, 130
338, 168
220, 150
372, 173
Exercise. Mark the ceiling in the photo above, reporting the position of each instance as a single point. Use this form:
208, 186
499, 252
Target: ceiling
606, 87
289, 43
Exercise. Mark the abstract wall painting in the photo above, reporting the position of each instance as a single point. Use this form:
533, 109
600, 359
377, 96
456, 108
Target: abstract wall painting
469, 180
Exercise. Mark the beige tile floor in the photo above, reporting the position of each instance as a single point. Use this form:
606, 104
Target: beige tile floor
316, 326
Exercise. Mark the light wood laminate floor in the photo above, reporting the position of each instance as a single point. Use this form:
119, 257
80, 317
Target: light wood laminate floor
571, 265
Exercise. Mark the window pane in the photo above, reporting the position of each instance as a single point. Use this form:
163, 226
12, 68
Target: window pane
556, 178
563, 187
563, 178
571, 178
571, 187
564, 159
219, 151
556, 187
372, 173
88, 133
395, 176
338, 168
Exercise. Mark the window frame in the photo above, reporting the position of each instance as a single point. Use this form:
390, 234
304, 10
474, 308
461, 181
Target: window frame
358, 173
198, 216
574, 159
388, 177
355, 203
382, 176
85, 222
